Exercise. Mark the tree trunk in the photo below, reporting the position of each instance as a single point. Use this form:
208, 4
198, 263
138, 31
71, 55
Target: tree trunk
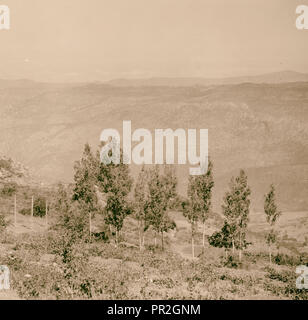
142, 235
90, 224
203, 236
240, 245
32, 204
155, 241
139, 230
162, 240
270, 254
193, 240
46, 215
116, 239
15, 210
192, 246
233, 247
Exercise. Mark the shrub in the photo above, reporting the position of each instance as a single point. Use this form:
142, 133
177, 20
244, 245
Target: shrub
39, 207
3, 222
25, 212
284, 259
100, 236
230, 262
283, 276
8, 189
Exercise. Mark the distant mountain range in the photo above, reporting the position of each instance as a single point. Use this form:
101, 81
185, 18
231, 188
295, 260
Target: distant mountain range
276, 77
261, 127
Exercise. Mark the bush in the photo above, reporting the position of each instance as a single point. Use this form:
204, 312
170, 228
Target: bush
3, 222
39, 208
283, 276
100, 236
25, 212
8, 189
231, 262
284, 259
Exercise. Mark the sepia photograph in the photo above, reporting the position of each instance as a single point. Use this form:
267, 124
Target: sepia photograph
153, 150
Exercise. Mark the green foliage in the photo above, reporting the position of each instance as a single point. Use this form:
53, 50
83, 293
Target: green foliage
63, 199
156, 205
270, 207
140, 204
230, 262
72, 228
287, 260
141, 196
200, 193
272, 214
282, 276
198, 205
236, 209
86, 269
271, 237
161, 192
8, 189
86, 175
39, 207
188, 212
3, 222
25, 211
94, 179
222, 239
116, 182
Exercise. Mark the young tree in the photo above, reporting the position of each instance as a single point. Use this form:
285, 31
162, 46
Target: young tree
85, 176
162, 189
72, 228
204, 187
193, 207
192, 217
39, 207
199, 194
86, 171
222, 239
63, 198
155, 204
169, 183
140, 205
116, 182
272, 214
236, 210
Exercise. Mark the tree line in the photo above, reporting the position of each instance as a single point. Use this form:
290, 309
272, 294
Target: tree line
108, 189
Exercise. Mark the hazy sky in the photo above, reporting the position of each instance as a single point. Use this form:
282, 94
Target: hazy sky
89, 40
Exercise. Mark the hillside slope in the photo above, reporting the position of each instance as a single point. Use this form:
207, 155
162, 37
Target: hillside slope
260, 127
